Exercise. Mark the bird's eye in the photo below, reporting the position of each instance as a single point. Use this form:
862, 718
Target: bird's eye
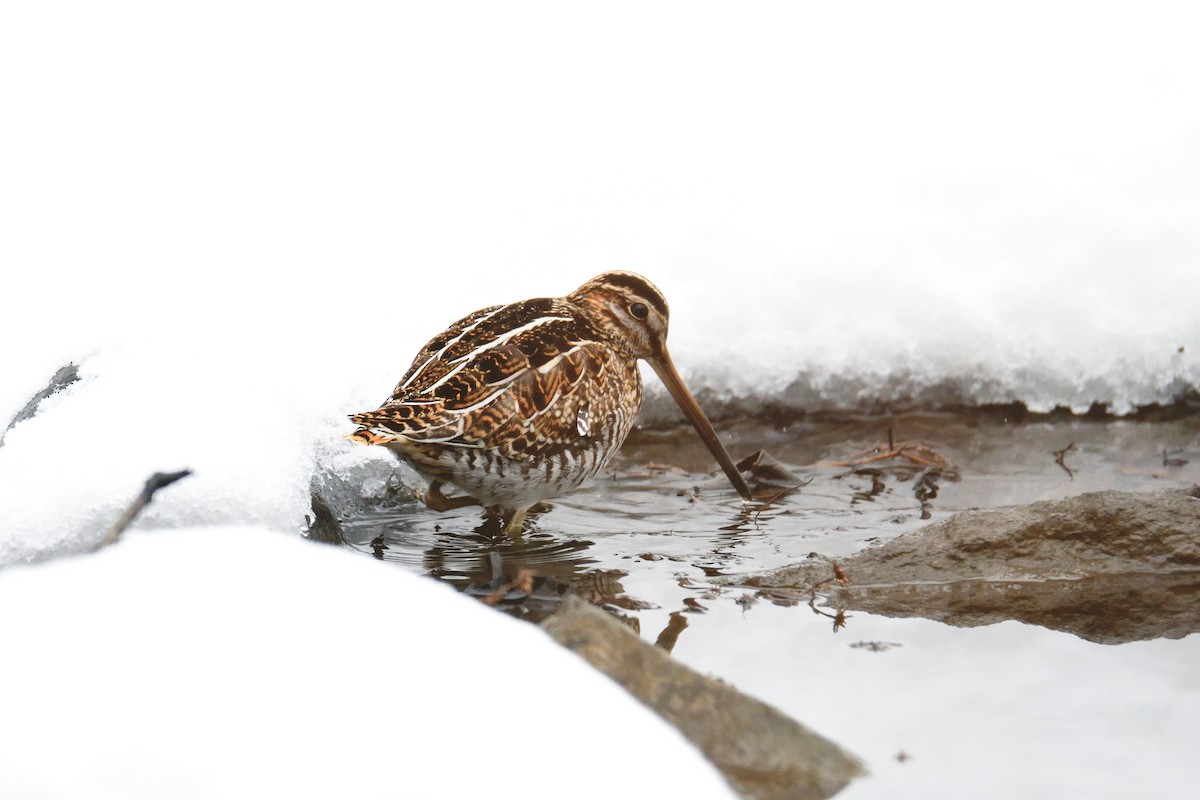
639, 310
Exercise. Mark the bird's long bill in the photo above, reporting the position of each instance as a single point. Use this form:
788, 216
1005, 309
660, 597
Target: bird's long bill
691, 409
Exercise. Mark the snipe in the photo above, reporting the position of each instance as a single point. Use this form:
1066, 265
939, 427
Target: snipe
517, 404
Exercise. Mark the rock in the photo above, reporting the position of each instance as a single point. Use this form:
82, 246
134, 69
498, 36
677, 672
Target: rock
345, 485
64, 377
761, 752
1110, 567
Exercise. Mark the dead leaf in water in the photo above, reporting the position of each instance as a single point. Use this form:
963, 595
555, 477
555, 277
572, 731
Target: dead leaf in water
522, 584
766, 470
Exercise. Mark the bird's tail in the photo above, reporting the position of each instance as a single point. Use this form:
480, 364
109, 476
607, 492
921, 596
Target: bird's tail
370, 431
401, 424
368, 436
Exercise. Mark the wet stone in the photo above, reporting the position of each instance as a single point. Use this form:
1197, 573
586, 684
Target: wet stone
64, 377
761, 752
665, 515
1109, 567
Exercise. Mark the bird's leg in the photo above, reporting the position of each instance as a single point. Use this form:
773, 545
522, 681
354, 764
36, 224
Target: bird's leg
515, 525
433, 498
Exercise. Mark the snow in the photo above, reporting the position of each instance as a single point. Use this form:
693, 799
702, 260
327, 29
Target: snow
243, 219
1005, 201
231, 662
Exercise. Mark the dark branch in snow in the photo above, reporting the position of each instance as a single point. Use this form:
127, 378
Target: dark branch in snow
156, 481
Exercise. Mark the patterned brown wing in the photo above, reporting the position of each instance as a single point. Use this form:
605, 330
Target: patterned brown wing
542, 410
439, 343
547, 407
506, 378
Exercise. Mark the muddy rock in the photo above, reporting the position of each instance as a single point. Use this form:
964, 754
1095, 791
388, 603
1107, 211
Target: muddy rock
761, 752
1110, 567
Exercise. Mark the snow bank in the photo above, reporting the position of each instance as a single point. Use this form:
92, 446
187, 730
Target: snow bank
243, 219
234, 662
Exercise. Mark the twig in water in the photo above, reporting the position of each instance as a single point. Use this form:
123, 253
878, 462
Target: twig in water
839, 617
1060, 459
777, 496
156, 481
914, 452
1173, 461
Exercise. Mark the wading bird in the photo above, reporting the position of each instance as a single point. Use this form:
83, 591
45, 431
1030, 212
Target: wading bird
520, 403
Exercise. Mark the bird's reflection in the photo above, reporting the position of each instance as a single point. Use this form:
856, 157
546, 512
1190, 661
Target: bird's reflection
688, 518
529, 576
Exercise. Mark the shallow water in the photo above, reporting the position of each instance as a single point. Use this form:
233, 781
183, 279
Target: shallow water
988, 711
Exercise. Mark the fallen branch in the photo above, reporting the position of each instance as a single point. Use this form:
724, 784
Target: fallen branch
1060, 457
156, 481
915, 452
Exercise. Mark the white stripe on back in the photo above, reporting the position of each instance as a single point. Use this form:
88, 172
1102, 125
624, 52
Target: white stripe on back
453, 342
497, 342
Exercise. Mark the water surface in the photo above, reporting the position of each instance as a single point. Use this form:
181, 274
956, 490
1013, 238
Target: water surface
935, 710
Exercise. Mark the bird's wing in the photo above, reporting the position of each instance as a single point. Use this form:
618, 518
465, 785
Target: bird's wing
520, 379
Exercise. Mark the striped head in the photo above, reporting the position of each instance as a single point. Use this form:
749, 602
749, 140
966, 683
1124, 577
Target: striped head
627, 308
632, 313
